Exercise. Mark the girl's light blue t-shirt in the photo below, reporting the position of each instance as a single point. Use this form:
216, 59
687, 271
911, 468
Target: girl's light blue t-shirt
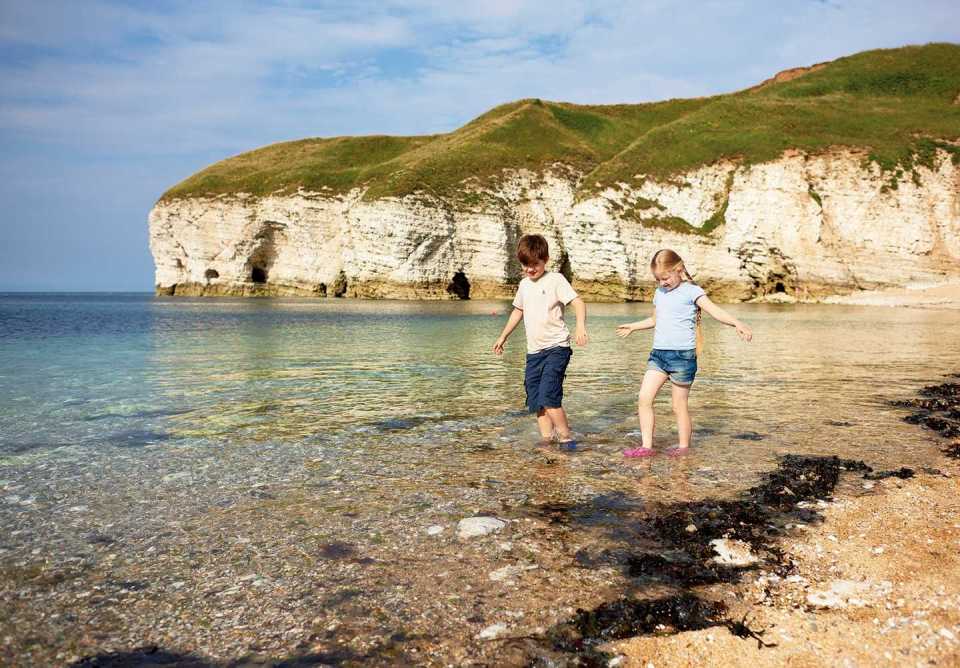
676, 317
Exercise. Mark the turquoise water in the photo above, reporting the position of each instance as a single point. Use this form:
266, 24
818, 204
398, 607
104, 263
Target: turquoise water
234, 392
108, 372
199, 446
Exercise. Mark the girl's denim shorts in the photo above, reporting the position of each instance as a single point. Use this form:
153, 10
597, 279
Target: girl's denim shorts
679, 365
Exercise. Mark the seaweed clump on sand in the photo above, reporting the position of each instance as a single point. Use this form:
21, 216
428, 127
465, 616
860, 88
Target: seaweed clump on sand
699, 543
575, 641
938, 409
712, 541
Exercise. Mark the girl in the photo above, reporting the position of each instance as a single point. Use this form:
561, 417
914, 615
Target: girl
677, 341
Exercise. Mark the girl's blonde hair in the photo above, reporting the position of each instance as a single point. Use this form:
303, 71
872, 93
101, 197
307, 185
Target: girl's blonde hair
667, 260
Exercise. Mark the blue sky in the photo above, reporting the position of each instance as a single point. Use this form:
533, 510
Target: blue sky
105, 104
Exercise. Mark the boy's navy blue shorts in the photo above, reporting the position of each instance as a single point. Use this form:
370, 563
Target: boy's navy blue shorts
543, 378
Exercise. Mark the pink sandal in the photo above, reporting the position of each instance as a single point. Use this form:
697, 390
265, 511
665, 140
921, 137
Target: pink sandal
639, 452
677, 451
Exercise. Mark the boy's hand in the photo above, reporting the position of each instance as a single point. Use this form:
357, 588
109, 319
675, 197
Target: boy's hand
624, 330
744, 332
498, 346
581, 336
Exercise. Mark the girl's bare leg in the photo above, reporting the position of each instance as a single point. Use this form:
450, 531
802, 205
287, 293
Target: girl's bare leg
652, 382
545, 424
678, 397
558, 417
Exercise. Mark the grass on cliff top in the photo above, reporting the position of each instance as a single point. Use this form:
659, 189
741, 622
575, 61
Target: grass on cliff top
892, 103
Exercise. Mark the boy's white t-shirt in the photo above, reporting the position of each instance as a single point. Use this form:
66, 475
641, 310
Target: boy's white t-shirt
542, 303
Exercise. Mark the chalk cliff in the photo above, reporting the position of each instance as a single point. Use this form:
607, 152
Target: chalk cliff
803, 225
819, 181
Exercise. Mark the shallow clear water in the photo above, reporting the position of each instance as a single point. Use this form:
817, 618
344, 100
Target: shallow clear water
255, 435
103, 374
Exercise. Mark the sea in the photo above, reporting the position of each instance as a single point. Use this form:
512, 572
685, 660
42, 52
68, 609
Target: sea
124, 415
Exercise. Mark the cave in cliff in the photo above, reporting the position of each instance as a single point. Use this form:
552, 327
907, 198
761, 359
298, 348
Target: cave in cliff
339, 287
459, 286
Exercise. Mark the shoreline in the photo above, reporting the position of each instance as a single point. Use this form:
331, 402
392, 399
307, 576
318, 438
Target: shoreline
936, 296
881, 566
925, 296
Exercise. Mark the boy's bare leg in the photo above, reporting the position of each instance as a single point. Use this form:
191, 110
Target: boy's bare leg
652, 382
678, 398
559, 418
545, 424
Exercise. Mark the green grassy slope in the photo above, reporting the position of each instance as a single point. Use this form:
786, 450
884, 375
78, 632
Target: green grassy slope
898, 104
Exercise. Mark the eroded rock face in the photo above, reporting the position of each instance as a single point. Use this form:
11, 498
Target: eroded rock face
804, 225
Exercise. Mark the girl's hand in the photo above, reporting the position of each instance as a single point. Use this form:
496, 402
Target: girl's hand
498, 346
744, 332
624, 331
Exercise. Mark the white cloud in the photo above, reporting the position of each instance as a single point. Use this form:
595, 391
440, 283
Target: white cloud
177, 83
220, 77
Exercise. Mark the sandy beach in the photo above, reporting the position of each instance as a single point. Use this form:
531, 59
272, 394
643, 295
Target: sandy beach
939, 296
876, 584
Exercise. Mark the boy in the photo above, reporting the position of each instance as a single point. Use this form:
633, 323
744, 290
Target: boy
540, 299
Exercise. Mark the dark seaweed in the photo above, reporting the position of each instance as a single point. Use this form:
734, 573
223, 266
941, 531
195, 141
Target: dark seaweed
939, 411
902, 473
741, 630
681, 555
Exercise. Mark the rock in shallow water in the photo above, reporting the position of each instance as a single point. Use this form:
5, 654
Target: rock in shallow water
493, 631
471, 527
510, 572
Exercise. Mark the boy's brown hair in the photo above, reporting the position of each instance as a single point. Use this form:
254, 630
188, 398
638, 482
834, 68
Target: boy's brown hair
532, 248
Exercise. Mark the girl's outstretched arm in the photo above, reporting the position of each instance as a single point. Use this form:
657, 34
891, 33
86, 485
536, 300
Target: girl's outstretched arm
631, 327
719, 314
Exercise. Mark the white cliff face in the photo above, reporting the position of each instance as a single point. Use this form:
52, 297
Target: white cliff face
804, 225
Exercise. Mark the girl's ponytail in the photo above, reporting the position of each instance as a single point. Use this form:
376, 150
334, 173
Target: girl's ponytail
687, 277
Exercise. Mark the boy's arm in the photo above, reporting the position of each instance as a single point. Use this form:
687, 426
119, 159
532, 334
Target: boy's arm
580, 309
631, 327
720, 315
515, 317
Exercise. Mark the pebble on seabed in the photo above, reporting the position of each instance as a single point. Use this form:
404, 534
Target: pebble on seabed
471, 527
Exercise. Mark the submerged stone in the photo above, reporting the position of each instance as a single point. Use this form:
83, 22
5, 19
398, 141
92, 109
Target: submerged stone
471, 527
492, 632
